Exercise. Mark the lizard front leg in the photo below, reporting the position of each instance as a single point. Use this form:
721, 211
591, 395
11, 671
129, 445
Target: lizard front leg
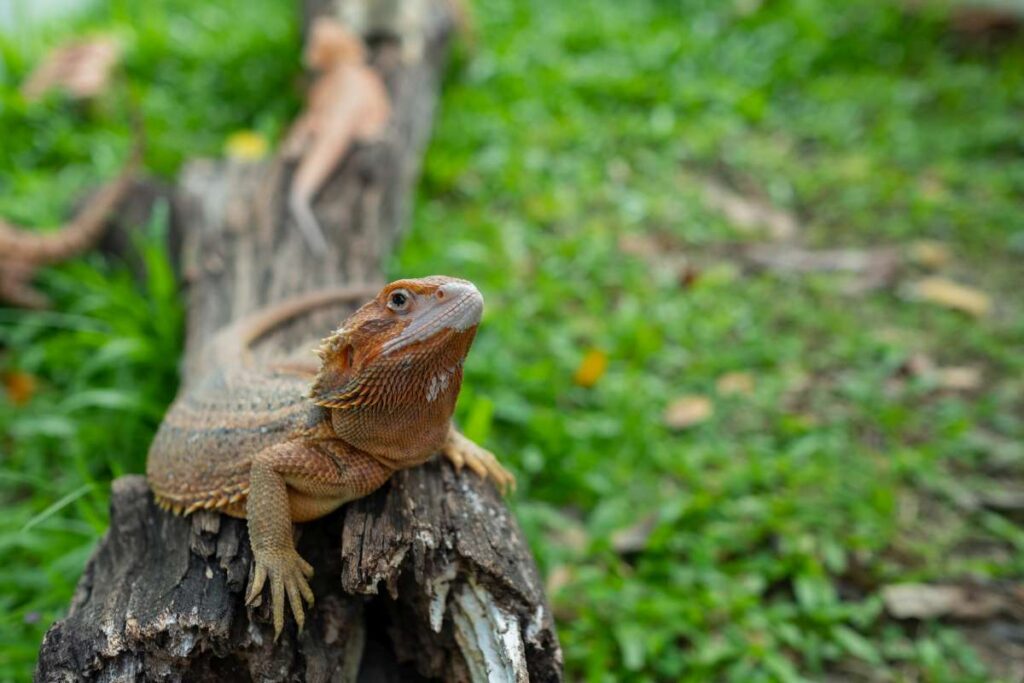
462, 452
297, 481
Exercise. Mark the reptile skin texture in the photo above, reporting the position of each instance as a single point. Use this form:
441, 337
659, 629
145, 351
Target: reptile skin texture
263, 443
23, 252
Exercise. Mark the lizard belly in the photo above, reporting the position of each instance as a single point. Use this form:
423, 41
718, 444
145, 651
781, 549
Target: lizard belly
201, 455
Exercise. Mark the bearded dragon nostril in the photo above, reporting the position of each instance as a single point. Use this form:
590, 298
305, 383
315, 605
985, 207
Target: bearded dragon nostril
246, 440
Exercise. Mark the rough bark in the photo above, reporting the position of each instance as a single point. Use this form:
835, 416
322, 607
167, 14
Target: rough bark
427, 578
148, 199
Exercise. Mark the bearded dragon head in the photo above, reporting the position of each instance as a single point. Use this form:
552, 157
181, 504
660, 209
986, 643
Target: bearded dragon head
391, 373
330, 43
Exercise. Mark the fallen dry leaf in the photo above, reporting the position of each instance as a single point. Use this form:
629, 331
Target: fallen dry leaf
20, 386
943, 292
687, 411
959, 378
917, 364
930, 254
928, 601
735, 383
953, 378
873, 268
246, 145
591, 368
82, 68
633, 538
660, 251
747, 213
638, 244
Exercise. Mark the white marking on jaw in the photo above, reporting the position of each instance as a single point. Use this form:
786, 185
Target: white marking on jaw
438, 383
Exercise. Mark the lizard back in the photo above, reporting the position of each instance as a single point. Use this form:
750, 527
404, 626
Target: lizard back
202, 451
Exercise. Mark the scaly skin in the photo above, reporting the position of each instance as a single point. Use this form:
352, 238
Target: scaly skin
259, 443
348, 103
23, 252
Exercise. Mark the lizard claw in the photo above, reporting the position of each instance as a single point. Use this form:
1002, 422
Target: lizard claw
455, 456
289, 578
259, 577
462, 452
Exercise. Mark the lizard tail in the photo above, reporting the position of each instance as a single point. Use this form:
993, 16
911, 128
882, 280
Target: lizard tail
318, 162
233, 342
302, 212
83, 230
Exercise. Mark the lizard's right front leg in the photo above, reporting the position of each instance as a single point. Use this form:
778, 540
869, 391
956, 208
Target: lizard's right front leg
298, 481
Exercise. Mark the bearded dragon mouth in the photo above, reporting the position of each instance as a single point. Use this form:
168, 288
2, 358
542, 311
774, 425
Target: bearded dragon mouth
456, 305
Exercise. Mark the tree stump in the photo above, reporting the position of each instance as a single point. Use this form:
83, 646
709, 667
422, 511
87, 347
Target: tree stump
429, 577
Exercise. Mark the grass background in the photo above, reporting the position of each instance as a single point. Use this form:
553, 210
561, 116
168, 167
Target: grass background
749, 547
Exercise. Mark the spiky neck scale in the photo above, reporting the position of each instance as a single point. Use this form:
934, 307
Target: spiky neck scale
391, 374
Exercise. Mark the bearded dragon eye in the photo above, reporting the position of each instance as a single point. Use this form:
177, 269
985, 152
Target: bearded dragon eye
399, 300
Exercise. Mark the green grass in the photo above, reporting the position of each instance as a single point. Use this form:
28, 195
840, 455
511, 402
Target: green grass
774, 524
105, 357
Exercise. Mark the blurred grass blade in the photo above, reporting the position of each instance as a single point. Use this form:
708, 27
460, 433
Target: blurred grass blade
57, 507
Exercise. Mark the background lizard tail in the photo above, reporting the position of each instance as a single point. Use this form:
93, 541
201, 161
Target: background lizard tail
82, 232
233, 341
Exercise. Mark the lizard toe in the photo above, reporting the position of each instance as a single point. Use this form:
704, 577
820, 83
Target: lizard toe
455, 457
288, 576
503, 479
464, 453
277, 603
259, 578
295, 600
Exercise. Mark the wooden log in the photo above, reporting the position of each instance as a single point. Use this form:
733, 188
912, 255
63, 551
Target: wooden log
429, 577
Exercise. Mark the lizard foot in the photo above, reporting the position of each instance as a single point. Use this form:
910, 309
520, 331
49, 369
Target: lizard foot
464, 453
289, 576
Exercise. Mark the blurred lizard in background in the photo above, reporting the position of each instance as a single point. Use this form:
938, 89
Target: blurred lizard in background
23, 252
83, 68
347, 102
256, 441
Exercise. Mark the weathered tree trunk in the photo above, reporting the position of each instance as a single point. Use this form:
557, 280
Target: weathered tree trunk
427, 578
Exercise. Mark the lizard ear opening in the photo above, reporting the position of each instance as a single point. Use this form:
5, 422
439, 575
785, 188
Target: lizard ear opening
333, 385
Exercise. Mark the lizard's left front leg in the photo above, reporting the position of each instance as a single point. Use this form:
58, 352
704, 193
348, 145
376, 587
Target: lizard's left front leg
298, 481
462, 452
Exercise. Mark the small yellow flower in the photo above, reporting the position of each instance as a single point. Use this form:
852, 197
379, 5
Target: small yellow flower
246, 145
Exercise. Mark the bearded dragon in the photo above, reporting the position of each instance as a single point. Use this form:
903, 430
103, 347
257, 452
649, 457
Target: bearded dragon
347, 102
262, 443
23, 252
